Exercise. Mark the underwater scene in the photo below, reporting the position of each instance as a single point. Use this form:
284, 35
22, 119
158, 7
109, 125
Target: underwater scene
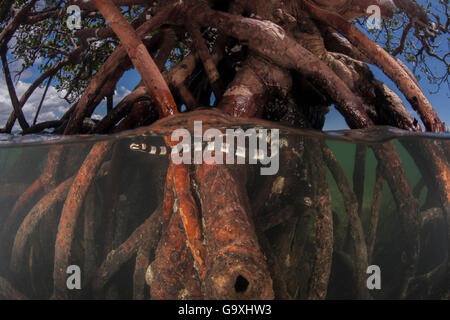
192, 152
338, 215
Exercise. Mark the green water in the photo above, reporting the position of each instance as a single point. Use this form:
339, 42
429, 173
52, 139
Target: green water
345, 154
132, 184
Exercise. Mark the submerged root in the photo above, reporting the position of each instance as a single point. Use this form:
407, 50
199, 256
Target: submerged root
7, 291
356, 232
235, 265
320, 275
146, 235
172, 275
31, 221
71, 211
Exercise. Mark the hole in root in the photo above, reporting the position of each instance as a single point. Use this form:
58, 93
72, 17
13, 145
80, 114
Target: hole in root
241, 284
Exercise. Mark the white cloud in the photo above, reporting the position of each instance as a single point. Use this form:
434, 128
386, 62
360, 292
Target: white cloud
52, 108
120, 93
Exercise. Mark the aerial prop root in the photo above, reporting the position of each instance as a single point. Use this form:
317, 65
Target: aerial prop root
385, 61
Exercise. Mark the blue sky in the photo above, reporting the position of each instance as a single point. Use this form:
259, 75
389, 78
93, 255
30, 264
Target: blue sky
54, 106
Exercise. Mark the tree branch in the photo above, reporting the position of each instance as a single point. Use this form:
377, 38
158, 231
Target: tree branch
140, 57
12, 93
384, 61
